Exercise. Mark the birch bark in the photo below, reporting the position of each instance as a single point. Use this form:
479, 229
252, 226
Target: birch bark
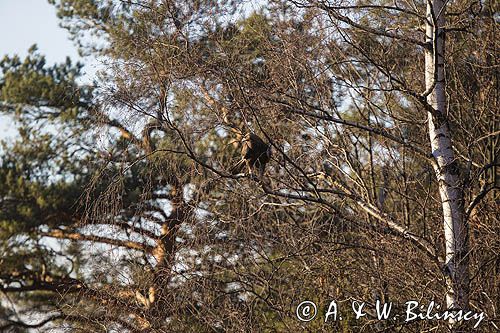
446, 168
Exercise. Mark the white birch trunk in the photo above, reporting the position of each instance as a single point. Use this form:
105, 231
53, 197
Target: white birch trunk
446, 169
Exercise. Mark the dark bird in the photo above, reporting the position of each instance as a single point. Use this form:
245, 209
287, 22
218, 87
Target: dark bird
255, 154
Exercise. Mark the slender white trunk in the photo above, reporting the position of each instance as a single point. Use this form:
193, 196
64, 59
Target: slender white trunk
446, 169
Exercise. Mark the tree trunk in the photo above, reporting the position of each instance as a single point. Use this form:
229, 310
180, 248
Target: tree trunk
446, 167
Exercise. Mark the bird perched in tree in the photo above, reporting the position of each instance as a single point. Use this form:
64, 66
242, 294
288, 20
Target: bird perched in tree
255, 153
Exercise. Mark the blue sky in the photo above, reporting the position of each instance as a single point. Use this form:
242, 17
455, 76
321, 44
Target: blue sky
24, 23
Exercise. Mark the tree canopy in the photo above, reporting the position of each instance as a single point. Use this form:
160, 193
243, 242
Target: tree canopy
119, 211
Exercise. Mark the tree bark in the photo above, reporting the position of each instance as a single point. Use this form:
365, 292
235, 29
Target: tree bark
446, 166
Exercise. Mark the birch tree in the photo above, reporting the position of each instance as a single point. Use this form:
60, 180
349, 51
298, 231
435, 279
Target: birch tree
446, 165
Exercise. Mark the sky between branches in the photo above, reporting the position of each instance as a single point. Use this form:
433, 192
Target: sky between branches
27, 22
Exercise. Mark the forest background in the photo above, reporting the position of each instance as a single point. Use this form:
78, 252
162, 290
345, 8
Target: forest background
119, 211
